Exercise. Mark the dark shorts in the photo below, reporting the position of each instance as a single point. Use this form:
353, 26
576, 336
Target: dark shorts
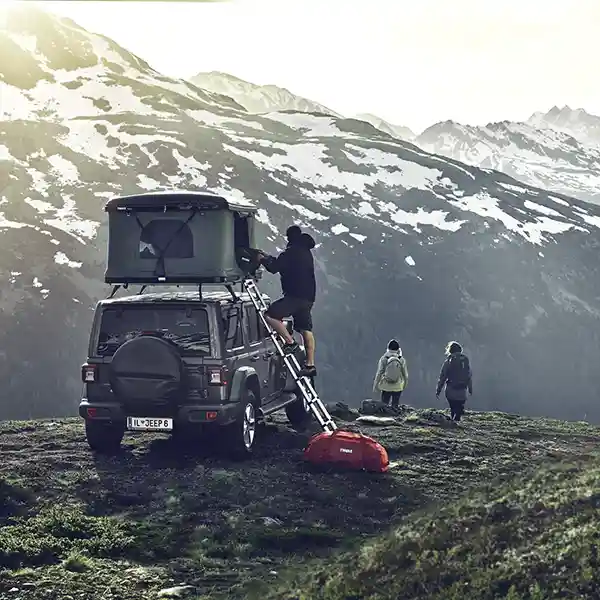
297, 308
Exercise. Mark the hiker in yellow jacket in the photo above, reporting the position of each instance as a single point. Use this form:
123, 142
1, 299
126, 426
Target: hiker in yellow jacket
392, 375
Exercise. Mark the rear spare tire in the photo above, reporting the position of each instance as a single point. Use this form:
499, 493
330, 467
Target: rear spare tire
104, 437
149, 369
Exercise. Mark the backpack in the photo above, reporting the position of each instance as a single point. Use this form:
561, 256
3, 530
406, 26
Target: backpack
393, 370
458, 371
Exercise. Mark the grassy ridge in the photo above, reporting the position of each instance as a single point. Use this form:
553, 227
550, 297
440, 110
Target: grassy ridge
72, 523
531, 538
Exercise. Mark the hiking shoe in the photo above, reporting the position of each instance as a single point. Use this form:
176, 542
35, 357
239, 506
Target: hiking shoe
290, 348
308, 371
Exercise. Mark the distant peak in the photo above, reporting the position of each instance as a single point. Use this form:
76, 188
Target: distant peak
221, 75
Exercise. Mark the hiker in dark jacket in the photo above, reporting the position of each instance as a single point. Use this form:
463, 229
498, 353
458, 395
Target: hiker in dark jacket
296, 267
456, 375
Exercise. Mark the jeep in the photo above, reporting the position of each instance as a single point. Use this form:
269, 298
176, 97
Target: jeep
185, 363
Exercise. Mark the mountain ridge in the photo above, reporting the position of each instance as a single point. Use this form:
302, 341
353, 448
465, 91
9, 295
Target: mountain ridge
257, 98
541, 155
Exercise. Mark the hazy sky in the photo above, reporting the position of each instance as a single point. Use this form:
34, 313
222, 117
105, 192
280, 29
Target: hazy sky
412, 62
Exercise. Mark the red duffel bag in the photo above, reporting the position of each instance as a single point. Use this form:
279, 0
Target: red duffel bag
349, 450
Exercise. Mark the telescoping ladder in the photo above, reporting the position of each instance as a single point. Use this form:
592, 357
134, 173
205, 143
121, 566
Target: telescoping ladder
291, 362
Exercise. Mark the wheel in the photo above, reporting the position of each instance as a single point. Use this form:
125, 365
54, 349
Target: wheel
240, 437
298, 412
104, 438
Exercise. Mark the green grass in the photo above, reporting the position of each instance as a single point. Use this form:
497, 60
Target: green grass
56, 532
532, 538
72, 523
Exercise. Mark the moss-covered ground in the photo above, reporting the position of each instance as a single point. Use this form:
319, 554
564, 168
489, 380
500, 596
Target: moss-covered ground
500, 506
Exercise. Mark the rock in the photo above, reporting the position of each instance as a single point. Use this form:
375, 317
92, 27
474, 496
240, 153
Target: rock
376, 420
178, 591
376, 407
342, 411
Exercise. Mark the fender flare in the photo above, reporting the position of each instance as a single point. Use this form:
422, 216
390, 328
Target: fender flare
238, 382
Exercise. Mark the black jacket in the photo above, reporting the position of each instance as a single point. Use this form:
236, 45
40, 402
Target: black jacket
296, 267
452, 392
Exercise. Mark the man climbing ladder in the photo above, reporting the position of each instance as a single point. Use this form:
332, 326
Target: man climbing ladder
296, 267
305, 387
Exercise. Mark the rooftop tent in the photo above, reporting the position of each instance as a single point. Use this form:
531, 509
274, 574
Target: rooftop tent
177, 237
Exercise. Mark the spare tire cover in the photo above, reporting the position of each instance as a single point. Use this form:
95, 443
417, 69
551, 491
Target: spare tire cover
147, 368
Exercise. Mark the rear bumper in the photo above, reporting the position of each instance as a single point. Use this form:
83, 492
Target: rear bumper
219, 414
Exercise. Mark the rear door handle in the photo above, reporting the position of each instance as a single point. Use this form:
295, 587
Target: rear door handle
268, 355
254, 358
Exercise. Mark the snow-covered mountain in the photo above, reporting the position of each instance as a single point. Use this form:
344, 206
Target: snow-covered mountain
575, 122
399, 131
257, 98
411, 244
539, 154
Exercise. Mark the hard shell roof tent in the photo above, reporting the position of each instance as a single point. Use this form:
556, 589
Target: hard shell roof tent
179, 237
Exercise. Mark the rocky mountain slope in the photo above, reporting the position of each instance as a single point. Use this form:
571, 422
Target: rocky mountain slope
399, 131
557, 151
152, 522
257, 98
410, 244
575, 122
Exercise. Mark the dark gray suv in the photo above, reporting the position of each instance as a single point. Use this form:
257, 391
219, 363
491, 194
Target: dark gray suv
184, 364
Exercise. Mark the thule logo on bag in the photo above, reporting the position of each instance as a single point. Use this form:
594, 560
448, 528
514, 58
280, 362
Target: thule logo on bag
346, 450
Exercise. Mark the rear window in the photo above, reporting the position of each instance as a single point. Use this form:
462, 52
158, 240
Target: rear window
166, 238
187, 329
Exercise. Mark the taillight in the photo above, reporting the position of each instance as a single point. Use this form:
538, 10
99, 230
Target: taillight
89, 373
217, 376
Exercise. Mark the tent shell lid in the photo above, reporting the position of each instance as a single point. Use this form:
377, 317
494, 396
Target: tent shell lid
183, 200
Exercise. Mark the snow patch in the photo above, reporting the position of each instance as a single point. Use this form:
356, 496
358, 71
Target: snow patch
339, 228
66, 171
590, 219
5, 153
364, 208
60, 258
409, 260
262, 216
307, 124
435, 218
486, 206
190, 167
6, 224
357, 236
84, 139
541, 209
66, 218
214, 120
147, 183
302, 210
38, 181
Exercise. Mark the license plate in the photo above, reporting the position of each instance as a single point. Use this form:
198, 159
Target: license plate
149, 424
